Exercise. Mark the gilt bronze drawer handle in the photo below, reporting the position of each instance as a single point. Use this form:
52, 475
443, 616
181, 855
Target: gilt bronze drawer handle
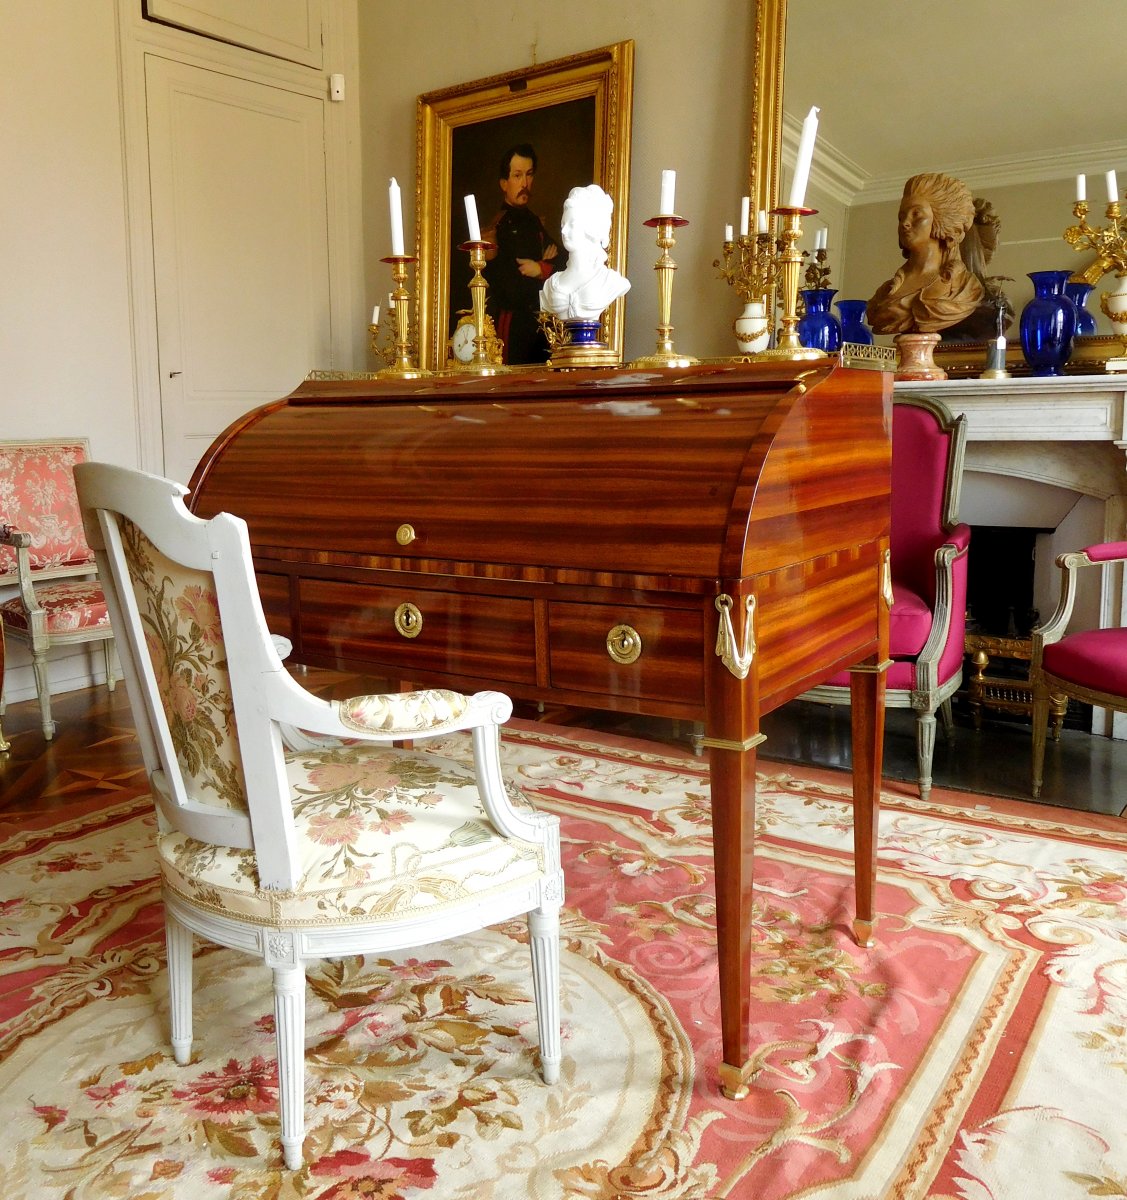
624, 644
408, 620
405, 534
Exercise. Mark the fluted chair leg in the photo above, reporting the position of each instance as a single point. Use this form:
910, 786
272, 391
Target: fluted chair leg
544, 940
107, 654
1040, 724
178, 944
43, 688
289, 1025
925, 750
947, 716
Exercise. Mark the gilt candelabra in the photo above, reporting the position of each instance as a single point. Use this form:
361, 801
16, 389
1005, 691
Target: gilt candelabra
749, 266
1109, 244
817, 273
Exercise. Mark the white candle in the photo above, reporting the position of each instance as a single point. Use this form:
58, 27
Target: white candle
820, 239
728, 233
395, 205
1112, 188
761, 221
471, 219
376, 315
745, 215
668, 184
802, 162
1081, 187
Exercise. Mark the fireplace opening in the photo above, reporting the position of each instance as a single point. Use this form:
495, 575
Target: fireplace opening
1001, 615
1000, 580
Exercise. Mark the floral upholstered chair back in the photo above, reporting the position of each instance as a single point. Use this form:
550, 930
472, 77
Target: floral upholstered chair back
180, 616
37, 496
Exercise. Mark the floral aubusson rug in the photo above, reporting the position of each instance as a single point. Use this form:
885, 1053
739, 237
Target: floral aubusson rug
979, 1052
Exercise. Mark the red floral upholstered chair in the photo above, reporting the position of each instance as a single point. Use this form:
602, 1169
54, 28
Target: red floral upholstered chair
928, 560
343, 845
44, 553
1089, 664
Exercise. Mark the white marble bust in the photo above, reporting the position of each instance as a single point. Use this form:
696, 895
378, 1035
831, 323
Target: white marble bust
586, 286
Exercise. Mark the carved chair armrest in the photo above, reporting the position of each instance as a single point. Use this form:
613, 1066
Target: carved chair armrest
950, 558
1070, 564
11, 536
384, 718
428, 713
20, 542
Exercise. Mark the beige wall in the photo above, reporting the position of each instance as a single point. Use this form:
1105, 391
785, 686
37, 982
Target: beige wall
691, 114
65, 343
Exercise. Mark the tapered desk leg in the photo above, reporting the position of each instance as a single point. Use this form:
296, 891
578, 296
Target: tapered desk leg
866, 694
733, 832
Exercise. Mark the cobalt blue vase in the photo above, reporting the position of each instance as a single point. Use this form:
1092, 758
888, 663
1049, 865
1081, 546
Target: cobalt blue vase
853, 327
1078, 293
1048, 323
819, 329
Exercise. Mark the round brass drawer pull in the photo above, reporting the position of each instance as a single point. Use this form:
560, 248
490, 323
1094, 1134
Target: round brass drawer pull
405, 534
624, 644
408, 620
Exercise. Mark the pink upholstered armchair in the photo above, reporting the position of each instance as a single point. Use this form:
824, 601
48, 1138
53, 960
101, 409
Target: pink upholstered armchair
1089, 664
43, 553
927, 625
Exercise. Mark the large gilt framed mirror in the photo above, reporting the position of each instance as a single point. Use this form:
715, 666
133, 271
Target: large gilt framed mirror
1000, 93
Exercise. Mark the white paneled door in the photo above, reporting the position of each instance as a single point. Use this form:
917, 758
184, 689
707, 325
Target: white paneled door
240, 247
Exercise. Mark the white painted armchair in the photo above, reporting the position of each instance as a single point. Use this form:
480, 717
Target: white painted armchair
348, 845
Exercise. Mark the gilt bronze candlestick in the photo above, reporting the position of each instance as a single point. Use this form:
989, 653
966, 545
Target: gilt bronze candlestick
401, 366
787, 346
665, 355
481, 363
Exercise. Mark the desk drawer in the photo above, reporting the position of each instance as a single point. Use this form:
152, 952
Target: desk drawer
487, 637
666, 665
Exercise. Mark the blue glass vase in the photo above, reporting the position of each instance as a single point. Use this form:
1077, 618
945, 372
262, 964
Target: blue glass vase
1048, 323
853, 327
819, 329
1078, 293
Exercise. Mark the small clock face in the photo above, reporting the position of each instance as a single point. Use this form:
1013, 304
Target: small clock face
462, 342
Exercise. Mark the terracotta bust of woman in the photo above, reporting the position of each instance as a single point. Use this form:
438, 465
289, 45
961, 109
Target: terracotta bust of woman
933, 289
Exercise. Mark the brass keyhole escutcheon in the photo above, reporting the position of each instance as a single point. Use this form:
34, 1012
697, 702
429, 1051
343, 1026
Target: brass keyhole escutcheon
408, 620
405, 534
624, 644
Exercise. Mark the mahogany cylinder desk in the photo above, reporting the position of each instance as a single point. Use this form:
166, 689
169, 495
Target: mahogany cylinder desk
703, 544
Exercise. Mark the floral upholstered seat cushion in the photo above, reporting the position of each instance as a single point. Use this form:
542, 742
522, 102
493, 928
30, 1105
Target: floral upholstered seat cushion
384, 834
69, 607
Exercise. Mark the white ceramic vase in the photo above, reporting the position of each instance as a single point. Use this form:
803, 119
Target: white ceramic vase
1114, 306
751, 328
